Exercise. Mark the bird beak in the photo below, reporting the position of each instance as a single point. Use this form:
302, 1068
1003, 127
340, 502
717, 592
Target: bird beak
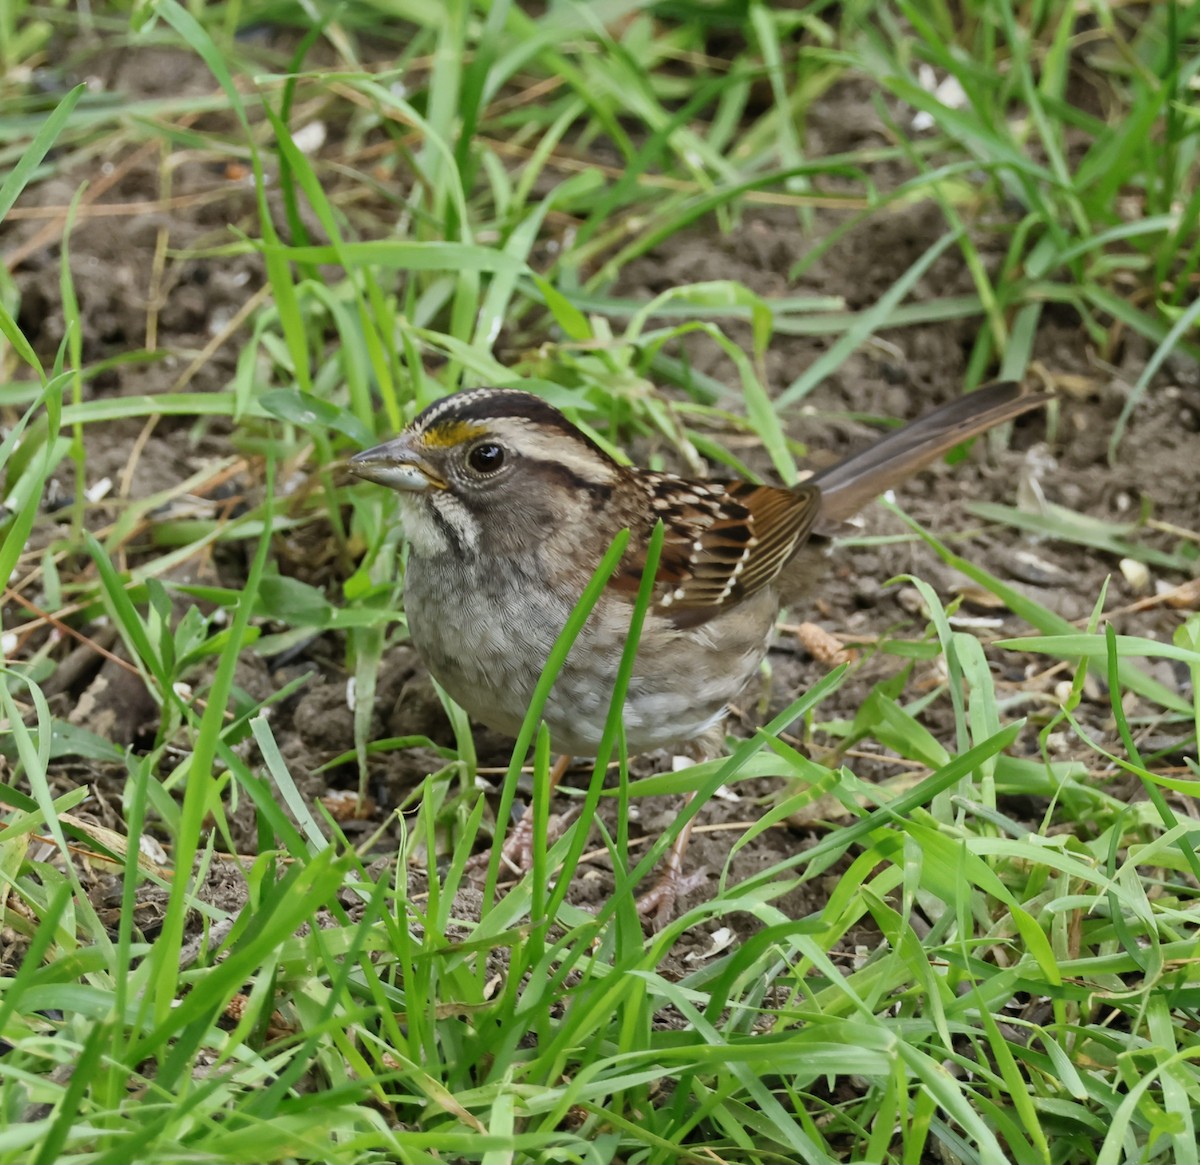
398, 465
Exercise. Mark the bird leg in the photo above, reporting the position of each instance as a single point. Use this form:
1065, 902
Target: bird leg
672, 883
517, 854
659, 902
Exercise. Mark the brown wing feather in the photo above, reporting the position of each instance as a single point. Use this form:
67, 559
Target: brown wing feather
722, 542
782, 520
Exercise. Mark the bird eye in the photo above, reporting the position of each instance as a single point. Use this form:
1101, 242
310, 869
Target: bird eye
486, 458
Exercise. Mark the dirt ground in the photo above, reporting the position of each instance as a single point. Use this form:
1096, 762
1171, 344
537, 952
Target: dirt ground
899, 374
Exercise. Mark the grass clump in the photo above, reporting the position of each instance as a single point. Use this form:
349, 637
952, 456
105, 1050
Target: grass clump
205, 959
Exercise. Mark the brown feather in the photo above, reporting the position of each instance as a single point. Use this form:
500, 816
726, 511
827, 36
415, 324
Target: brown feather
863, 476
722, 542
726, 541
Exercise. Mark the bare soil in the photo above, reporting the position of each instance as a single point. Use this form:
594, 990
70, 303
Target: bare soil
188, 303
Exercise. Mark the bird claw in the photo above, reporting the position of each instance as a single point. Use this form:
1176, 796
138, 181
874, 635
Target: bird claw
660, 900
517, 855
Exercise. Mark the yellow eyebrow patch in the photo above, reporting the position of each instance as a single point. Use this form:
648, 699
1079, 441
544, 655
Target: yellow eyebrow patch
447, 434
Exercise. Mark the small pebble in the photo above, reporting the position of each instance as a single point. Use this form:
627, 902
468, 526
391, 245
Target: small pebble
1137, 574
1028, 567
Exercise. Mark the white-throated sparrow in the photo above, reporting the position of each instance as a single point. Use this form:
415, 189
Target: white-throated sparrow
508, 509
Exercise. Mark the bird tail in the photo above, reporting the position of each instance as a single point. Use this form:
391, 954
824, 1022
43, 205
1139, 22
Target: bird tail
848, 486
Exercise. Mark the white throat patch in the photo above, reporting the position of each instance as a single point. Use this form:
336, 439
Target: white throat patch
427, 517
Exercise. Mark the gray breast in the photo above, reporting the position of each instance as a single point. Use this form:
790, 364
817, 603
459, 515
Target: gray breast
488, 652
483, 650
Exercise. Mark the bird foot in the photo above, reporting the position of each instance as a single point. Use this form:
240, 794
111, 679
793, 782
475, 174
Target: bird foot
517, 855
657, 905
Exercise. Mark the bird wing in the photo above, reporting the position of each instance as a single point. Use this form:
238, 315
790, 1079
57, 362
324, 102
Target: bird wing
722, 542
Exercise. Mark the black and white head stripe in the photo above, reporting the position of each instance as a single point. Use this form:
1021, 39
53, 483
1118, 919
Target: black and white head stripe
500, 412
480, 405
